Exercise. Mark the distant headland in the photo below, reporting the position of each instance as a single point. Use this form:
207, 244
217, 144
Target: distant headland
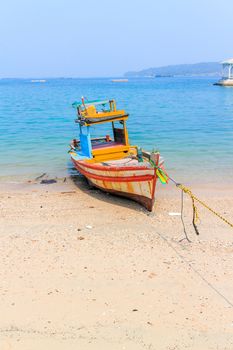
196, 69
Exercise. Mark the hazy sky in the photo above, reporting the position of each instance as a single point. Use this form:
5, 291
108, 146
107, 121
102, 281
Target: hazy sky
48, 38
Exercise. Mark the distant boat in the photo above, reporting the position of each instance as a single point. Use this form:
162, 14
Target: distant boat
112, 164
120, 80
38, 81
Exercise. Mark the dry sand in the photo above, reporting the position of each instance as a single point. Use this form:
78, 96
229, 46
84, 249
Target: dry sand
80, 269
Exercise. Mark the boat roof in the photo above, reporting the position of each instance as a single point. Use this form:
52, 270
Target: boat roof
76, 104
88, 116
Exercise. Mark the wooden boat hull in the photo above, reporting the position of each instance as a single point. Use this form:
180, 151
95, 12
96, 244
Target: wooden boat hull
136, 182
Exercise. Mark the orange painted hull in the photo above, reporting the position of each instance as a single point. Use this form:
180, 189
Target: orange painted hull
135, 182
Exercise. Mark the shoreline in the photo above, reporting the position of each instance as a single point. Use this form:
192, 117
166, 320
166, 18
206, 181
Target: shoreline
186, 174
27, 183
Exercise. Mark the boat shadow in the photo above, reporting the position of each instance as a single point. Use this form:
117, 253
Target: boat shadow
82, 184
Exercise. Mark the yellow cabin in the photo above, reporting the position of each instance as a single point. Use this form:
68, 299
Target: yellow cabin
104, 148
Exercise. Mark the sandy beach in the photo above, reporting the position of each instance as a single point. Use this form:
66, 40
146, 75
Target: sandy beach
81, 269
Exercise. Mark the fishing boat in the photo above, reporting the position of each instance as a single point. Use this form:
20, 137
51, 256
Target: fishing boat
120, 80
109, 162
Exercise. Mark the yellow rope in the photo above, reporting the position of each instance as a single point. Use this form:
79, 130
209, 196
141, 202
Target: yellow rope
194, 198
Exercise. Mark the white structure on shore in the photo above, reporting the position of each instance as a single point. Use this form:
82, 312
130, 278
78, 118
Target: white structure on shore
227, 73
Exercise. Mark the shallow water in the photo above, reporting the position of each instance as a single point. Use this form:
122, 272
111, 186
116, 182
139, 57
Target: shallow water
188, 119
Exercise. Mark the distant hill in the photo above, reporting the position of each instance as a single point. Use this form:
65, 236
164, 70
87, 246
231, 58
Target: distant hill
199, 69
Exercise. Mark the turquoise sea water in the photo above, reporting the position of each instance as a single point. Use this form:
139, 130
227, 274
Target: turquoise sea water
188, 119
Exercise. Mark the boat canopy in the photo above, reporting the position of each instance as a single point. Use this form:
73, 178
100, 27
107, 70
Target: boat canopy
77, 104
98, 111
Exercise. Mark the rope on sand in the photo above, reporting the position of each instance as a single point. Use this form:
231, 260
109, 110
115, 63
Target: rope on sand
164, 177
195, 270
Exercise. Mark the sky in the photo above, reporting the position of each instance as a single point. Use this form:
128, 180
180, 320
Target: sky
88, 38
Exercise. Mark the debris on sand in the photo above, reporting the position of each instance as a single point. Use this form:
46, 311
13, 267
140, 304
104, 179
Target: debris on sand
48, 181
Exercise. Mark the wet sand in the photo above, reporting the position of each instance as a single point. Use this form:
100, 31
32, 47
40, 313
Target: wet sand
80, 269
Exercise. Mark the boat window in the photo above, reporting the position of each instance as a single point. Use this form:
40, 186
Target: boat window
101, 130
118, 124
119, 132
